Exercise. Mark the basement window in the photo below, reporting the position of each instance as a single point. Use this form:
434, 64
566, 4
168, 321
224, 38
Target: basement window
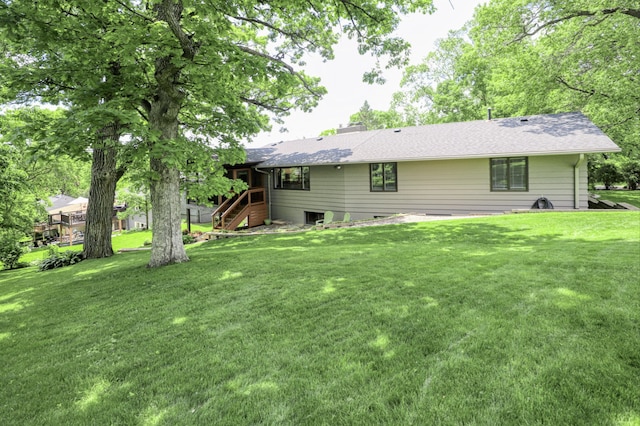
310, 218
510, 174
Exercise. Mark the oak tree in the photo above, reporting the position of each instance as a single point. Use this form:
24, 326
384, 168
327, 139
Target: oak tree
204, 76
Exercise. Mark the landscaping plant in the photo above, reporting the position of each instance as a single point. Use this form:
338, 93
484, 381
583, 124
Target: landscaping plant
59, 259
10, 249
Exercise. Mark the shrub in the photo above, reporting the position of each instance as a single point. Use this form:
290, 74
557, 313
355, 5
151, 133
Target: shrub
11, 250
630, 170
608, 172
188, 239
58, 260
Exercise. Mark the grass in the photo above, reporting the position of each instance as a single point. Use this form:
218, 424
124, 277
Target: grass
521, 319
631, 197
119, 241
199, 227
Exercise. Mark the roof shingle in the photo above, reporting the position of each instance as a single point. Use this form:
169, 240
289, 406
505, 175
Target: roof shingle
535, 135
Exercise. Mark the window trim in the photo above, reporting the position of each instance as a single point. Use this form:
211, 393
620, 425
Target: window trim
383, 189
509, 160
277, 183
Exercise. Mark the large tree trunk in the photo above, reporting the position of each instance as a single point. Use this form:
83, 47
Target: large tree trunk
104, 176
166, 246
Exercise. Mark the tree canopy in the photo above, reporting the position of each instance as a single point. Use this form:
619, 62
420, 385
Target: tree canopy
374, 119
202, 76
571, 54
29, 174
522, 57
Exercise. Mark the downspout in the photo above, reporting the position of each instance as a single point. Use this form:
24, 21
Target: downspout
576, 182
268, 186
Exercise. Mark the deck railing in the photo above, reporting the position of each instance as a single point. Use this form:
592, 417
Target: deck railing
69, 219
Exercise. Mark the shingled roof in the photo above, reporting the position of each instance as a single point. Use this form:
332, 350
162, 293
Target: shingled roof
565, 133
58, 202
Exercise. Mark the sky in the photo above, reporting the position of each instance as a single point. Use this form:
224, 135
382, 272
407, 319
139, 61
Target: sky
342, 77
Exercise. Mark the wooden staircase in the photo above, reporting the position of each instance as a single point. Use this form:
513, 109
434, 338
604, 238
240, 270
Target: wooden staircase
250, 205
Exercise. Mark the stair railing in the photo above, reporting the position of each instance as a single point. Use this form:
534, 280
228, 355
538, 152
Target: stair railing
228, 206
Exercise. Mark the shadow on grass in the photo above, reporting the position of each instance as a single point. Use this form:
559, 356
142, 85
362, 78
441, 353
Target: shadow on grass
480, 234
358, 323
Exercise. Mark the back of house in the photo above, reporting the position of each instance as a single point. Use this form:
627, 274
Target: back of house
486, 166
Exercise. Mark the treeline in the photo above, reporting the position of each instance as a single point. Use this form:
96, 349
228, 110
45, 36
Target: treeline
525, 57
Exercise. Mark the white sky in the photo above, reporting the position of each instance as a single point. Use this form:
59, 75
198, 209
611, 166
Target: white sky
343, 76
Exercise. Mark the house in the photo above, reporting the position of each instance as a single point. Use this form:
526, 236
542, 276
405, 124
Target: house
485, 166
66, 220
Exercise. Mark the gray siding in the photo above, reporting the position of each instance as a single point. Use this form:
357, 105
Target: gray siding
327, 192
433, 187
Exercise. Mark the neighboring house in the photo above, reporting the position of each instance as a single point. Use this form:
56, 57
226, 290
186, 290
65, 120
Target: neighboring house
138, 220
484, 166
194, 212
66, 220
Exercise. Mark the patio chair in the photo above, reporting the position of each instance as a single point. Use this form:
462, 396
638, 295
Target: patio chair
328, 218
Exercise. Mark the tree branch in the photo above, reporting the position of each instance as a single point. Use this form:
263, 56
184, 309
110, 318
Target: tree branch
144, 112
618, 123
171, 13
351, 18
577, 89
282, 63
50, 82
292, 35
265, 105
635, 13
135, 12
347, 3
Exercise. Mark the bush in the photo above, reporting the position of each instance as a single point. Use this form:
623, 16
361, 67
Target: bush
608, 172
11, 250
58, 260
630, 170
188, 239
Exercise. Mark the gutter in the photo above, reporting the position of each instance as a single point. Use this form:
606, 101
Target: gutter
576, 181
366, 160
268, 186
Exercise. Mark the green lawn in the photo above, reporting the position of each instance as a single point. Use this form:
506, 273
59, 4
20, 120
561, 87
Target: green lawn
507, 320
631, 197
119, 241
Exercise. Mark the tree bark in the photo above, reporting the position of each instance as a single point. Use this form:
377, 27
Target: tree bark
104, 176
166, 245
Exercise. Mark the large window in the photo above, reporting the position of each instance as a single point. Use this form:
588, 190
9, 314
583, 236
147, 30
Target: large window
291, 178
509, 174
384, 177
